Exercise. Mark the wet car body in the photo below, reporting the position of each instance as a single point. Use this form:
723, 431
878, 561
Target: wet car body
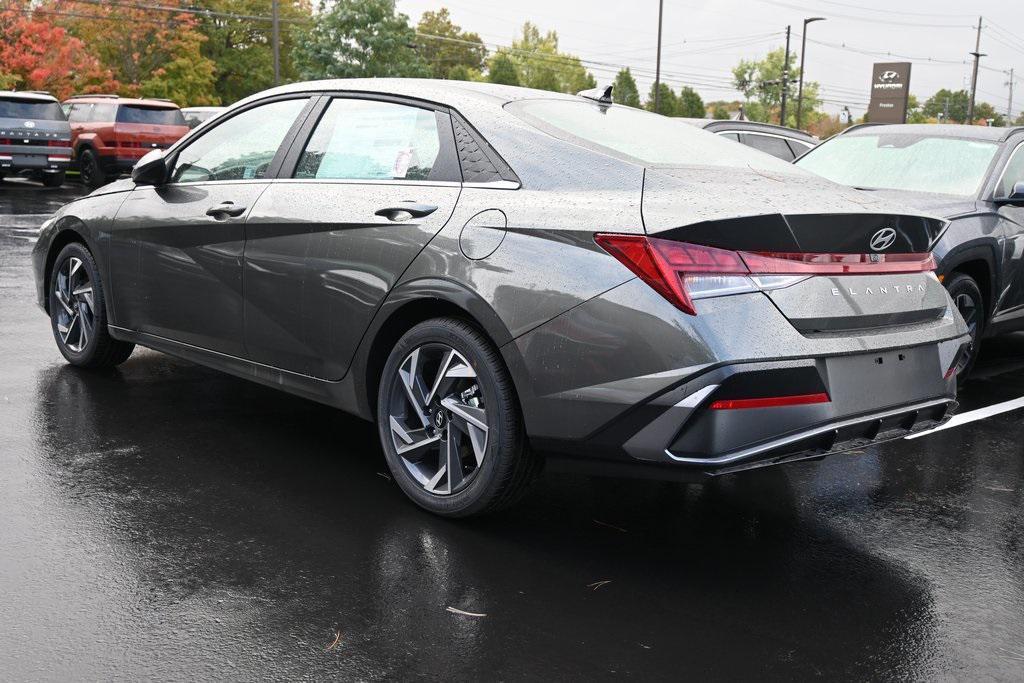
985, 237
308, 290
35, 137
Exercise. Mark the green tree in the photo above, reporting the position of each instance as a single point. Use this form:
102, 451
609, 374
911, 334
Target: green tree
446, 47
1020, 120
915, 113
668, 103
760, 81
357, 38
983, 111
624, 90
720, 113
951, 104
540, 65
241, 48
501, 69
690, 104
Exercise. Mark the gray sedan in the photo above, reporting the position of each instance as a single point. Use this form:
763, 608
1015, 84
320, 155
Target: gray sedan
505, 278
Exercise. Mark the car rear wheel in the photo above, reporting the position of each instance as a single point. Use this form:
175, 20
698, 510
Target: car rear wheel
450, 423
78, 313
89, 167
967, 298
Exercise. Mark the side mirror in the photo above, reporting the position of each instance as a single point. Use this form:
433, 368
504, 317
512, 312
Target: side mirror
1017, 195
150, 169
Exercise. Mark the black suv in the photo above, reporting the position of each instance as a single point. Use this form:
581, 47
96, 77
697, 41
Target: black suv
35, 138
973, 176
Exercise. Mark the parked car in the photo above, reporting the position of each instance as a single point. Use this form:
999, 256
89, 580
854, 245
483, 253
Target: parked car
196, 115
35, 139
502, 277
110, 133
781, 142
973, 176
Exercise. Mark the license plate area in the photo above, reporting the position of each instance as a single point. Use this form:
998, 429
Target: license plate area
873, 381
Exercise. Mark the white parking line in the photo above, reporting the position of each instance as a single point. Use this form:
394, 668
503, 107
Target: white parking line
972, 415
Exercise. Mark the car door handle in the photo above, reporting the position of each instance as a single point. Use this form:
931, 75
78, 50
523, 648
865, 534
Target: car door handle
403, 211
225, 209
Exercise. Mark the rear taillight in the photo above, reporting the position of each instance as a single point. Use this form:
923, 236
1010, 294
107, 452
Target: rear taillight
682, 272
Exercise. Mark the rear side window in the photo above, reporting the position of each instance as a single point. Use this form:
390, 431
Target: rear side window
78, 112
370, 140
30, 109
777, 147
1013, 174
154, 116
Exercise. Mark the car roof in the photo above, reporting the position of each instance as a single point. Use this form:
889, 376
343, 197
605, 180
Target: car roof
758, 126
186, 109
938, 130
27, 95
114, 99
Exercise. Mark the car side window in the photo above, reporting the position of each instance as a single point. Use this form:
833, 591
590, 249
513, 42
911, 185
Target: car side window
241, 147
777, 147
1013, 174
102, 113
372, 140
79, 112
731, 136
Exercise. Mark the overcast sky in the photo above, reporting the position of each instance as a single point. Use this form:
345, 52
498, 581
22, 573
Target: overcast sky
703, 39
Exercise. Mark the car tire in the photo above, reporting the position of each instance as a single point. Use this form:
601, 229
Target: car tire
89, 169
53, 179
966, 296
447, 367
78, 314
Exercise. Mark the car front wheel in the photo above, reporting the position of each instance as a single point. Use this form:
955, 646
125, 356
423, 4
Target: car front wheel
78, 312
966, 297
450, 423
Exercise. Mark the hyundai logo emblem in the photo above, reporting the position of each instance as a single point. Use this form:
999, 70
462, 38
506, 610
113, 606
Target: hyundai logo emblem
889, 76
30, 124
883, 239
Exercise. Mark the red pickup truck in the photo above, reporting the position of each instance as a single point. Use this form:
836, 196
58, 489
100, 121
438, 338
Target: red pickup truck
110, 133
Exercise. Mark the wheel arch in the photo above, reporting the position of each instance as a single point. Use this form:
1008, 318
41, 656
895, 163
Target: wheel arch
978, 263
72, 232
409, 304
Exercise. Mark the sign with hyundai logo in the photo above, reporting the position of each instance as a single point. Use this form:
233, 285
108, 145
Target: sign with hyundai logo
890, 92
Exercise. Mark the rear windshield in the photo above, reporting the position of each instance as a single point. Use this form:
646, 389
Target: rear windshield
640, 135
30, 109
154, 116
903, 161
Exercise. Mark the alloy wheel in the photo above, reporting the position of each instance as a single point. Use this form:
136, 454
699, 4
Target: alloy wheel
969, 309
437, 418
76, 317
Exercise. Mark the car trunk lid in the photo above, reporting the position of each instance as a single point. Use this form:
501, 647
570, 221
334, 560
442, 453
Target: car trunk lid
830, 258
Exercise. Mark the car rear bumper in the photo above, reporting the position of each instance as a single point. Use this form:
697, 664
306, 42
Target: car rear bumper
46, 160
638, 393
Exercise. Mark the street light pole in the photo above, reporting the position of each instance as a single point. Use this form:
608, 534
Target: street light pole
800, 87
785, 82
657, 65
276, 41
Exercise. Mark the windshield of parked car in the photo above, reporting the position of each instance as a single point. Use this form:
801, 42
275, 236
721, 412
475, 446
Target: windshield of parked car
41, 110
902, 161
640, 135
131, 113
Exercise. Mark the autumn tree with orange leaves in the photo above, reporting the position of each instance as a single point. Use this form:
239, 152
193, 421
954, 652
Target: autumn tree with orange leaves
36, 54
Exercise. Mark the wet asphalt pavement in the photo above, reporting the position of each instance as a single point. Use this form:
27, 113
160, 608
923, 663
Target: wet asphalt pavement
169, 522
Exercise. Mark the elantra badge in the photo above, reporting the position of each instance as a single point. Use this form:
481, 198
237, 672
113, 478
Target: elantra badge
883, 239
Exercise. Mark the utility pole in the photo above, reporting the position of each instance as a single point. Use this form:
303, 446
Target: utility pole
974, 75
800, 88
785, 82
657, 65
276, 40
1009, 100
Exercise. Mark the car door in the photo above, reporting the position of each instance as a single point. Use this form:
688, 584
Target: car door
1012, 218
187, 235
370, 184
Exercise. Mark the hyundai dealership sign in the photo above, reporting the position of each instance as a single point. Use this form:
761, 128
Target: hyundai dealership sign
890, 91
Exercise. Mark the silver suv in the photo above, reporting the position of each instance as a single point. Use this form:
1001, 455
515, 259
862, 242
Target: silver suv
35, 138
